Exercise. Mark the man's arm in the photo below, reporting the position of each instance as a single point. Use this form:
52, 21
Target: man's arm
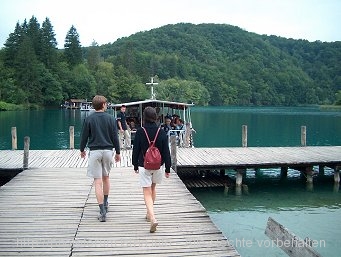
116, 140
84, 139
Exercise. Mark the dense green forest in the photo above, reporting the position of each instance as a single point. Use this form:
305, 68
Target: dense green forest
207, 64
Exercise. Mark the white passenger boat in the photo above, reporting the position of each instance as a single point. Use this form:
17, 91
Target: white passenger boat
176, 110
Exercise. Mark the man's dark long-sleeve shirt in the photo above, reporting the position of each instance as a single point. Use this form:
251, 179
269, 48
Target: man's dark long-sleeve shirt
141, 145
100, 132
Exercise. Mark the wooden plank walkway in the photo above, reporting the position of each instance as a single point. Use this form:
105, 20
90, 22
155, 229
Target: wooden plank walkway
13, 159
193, 158
53, 212
257, 157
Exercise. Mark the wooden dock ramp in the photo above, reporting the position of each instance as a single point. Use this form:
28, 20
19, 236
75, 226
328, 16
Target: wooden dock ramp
53, 212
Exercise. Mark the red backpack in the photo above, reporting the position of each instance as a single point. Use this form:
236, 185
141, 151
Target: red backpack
152, 158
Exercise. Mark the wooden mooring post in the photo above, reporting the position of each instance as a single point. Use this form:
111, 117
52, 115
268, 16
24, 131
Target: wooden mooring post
173, 152
303, 136
240, 173
284, 172
14, 138
72, 137
244, 135
337, 175
26, 152
309, 171
291, 244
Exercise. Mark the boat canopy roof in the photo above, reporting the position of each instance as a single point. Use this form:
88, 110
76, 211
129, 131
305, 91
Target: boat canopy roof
155, 103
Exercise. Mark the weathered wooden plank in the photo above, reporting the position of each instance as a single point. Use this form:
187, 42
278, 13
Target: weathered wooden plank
287, 241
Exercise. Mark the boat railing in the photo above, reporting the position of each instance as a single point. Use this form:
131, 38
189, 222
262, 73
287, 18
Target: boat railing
183, 137
180, 134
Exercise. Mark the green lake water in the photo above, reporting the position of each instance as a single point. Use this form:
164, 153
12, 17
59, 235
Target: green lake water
242, 218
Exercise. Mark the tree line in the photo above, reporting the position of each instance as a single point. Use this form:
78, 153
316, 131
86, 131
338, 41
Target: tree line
206, 64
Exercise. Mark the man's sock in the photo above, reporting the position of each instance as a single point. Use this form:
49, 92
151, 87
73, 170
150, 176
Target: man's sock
105, 202
101, 208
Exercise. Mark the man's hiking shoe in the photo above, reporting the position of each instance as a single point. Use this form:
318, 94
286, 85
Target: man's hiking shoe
102, 217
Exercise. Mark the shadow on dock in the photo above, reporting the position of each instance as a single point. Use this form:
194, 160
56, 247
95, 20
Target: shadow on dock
7, 174
205, 178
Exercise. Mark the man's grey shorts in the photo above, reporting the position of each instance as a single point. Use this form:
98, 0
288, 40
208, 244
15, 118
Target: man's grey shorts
147, 177
99, 163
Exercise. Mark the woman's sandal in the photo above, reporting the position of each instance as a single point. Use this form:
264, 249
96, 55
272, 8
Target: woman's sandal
153, 226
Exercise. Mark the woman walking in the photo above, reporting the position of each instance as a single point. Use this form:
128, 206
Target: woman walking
149, 178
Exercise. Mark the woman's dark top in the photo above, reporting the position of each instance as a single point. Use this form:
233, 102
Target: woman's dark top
141, 145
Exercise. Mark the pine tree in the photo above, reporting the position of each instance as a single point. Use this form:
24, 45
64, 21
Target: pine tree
73, 49
28, 72
12, 45
34, 33
49, 44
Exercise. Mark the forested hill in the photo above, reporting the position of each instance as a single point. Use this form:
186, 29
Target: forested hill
235, 66
204, 64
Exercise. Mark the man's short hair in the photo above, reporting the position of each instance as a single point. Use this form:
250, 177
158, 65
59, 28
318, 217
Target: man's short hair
98, 101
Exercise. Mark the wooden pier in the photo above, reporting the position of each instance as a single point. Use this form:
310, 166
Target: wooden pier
50, 208
193, 158
303, 159
258, 157
53, 212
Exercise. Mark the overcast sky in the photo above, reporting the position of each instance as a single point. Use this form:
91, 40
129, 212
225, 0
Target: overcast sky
107, 20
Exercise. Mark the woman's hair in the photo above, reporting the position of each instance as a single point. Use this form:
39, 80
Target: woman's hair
149, 114
98, 101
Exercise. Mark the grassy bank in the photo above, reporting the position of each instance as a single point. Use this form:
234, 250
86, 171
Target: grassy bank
17, 107
330, 107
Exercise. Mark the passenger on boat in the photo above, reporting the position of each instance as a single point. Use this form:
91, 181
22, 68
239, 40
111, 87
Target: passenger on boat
179, 130
167, 127
124, 133
179, 125
132, 127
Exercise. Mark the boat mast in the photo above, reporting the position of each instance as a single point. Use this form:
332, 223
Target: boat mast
151, 84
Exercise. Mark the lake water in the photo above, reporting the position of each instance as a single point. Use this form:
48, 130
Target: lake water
242, 218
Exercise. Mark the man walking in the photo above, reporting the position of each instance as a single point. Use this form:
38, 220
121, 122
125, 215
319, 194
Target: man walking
99, 132
123, 127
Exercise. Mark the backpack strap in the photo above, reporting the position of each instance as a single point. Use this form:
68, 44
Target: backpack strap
145, 131
157, 133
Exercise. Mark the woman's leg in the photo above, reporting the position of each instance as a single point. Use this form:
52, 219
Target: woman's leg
153, 189
148, 199
153, 192
148, 193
